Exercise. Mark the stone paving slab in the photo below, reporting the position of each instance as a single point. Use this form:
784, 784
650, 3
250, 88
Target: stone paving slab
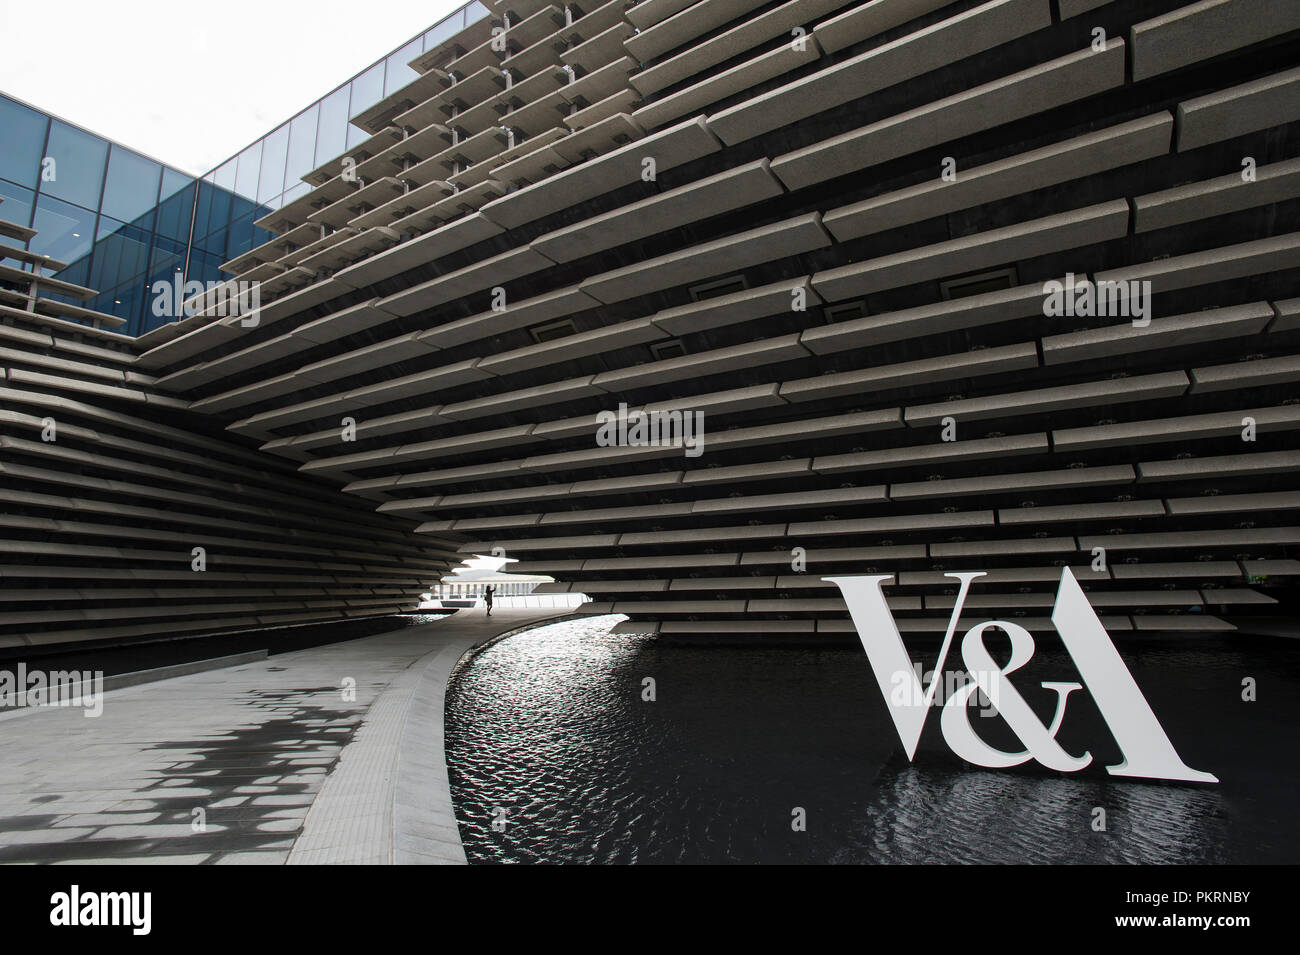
277, 761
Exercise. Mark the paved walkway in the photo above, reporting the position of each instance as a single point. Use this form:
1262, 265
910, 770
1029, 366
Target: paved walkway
332, 754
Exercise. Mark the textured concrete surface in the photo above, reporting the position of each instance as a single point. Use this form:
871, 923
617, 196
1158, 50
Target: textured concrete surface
267, 762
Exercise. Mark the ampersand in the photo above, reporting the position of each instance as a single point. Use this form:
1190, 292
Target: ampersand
991, 679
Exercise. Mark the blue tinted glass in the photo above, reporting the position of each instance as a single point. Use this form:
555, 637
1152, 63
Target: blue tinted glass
78, 169
174, 214
22, 145
166, 258
66, 232
275, 150
213, 209
219, 197
214, 244
332, 135
173, 182
302, 148
205, 267
241, 208
131, 188
240, 237
166, 262
121, 253
250, 167
78, 273
125, 301
396, 72
367, 89
474, 13
17, 205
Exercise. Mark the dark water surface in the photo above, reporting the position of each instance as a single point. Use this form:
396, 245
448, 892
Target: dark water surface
548, 735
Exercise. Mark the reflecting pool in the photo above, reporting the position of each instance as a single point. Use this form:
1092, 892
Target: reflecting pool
559, 750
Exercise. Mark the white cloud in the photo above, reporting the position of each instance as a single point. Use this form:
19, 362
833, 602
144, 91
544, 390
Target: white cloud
192, 83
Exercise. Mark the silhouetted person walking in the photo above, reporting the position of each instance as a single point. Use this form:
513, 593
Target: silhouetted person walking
487, 596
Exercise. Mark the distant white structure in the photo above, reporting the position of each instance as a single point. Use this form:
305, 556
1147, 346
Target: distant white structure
465, 587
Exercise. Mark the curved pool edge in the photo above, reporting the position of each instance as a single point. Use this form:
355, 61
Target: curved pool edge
388, 799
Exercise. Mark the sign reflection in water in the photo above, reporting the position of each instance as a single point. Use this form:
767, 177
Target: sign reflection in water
555, 756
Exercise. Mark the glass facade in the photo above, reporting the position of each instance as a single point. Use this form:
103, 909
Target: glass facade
122, 221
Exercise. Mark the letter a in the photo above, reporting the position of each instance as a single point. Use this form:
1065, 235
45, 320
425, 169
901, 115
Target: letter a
1148, 753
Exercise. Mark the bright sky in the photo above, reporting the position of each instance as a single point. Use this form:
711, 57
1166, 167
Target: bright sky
191, 83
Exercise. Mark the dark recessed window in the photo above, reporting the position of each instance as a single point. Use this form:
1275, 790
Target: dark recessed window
550, 331
673, 348
844, 311
978, 284
727, 286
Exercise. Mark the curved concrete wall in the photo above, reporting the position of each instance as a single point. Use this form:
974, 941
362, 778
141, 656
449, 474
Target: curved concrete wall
109, 487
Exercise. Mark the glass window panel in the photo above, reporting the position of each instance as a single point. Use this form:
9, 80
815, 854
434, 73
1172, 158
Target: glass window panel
17, 206
123, 301
474, 13
121, 254
443, 31
250, 167
292, 193
397, 73
131, 189
173, 182
66, 232
166, 258
225, 174
240, 237
166, 262
275, 150
213, 211
214, 242
174, 215
302, 147
356, 136
332, 134
78, 169
206, 267
215, 199
78, 273
241, 208
367, 89
23, 144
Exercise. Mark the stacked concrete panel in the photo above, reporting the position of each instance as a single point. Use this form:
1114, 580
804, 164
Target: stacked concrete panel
833, 229
127, 517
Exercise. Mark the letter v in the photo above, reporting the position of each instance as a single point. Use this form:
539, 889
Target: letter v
889, 658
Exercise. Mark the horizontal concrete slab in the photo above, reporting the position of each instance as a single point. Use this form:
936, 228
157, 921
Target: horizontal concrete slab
1060, 162
1202, 30
1035, 90
1226, 114
692, 203
706, 260
670, 147
973, 31
1066, 230
1124, 339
